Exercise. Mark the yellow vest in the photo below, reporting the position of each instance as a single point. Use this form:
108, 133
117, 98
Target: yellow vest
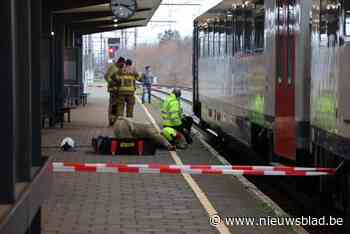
171, 111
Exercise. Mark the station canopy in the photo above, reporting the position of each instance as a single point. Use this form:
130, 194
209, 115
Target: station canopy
223, 9
94, 16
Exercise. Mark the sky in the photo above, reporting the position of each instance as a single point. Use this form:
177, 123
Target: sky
181, 16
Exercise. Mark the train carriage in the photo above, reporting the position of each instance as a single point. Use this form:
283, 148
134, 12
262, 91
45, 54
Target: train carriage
252, 73
274, 75
330, 109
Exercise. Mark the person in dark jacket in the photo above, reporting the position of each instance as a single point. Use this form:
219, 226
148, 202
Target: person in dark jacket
147, 80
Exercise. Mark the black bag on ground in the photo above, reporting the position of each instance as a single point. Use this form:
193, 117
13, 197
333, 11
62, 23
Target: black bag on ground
101, 145
105, 147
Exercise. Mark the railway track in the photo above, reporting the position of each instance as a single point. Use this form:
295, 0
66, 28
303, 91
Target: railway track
279, 190
161, 92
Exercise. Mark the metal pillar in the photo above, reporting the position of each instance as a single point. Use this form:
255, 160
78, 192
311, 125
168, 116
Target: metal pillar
35, 227
7, 133
36, 6
79, 50
23, 77
19, 18
58, 51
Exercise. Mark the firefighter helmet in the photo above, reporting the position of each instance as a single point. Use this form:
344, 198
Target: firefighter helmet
67, 144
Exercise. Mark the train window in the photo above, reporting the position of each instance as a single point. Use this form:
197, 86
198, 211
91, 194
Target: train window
346, 5
329, 25
347, 24
205, 44
247, 25
200, 42
214, 46
234, 30
210, 41
238, 34
229, 40
248, 32
217, 41
222, 42
259, 27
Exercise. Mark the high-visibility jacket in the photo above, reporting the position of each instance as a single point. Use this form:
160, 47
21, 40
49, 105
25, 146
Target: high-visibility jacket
174, 137
171, 111
169, 133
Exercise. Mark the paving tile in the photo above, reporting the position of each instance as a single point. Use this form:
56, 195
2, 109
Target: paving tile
84, 203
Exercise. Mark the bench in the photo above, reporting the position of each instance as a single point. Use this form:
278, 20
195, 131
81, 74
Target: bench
66, 110
83, 98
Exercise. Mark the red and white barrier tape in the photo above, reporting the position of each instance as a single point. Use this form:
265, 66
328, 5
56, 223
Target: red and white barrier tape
191, 169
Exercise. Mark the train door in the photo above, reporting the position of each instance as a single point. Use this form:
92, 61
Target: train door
197, 44
285, 124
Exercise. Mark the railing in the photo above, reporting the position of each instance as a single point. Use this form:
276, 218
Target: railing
162, 91
167, 89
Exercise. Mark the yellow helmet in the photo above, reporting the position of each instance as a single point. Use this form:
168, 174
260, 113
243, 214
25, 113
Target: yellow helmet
169, 133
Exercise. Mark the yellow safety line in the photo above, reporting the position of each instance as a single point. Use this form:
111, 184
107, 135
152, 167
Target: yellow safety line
208, 206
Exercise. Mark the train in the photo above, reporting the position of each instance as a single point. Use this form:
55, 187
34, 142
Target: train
274, 75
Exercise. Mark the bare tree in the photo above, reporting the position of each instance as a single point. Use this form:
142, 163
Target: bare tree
170, 59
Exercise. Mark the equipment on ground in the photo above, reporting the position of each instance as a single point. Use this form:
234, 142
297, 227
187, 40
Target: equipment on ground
67, 144
112, 146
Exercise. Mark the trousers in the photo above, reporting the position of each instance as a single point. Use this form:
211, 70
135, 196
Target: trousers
123, 100
112, 108
146, 90
185, 128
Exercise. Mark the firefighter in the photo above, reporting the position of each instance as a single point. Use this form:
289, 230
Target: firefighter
130, 69
126, 82
125, 128
111, 78
171, 114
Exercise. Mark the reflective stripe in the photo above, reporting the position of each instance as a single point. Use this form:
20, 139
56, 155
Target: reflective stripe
171, 119
169, 113
113, 89
127, 83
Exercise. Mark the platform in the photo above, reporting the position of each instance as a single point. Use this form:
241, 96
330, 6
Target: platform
83, 203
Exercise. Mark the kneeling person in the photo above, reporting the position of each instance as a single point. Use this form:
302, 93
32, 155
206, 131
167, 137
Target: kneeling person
172, 115
176, 138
